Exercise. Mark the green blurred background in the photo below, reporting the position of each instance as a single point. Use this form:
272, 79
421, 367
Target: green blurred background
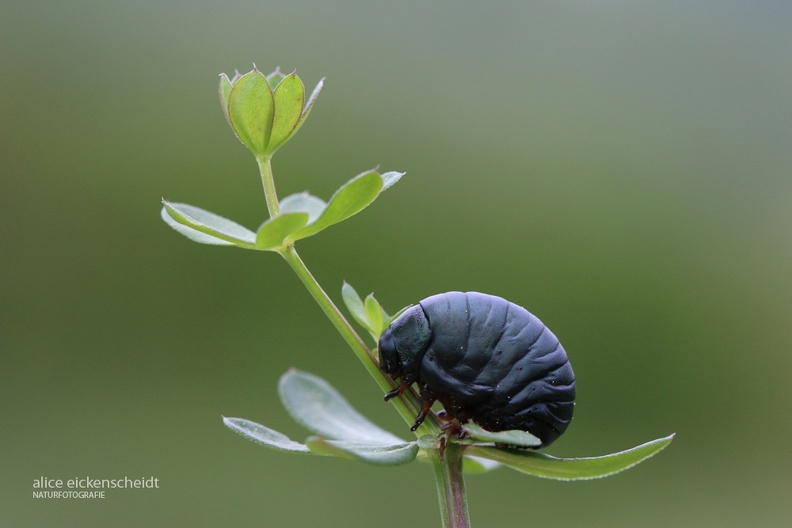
621, 169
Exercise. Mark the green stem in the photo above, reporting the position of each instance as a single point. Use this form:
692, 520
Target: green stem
265, 168
331, 311
450, 486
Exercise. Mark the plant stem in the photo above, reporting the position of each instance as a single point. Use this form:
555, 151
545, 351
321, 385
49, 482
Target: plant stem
330, 309
265, 168
450, 486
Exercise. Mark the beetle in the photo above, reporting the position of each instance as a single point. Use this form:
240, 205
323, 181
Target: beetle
485, 359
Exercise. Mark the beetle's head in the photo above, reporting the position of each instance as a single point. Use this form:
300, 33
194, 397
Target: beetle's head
388, 357
403, 344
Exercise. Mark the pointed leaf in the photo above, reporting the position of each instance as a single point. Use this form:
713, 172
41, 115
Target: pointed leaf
381, 455
318, 407
474, 465
375, 315
251, 108
350, 199
512, 438
309, 105
192, 234
264, 435
289, 97
225, 91
194, 222
303, 203
390, 178
273, 233
546, 466
355, 305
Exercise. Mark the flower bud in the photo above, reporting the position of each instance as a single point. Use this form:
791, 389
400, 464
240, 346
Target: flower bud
265, 111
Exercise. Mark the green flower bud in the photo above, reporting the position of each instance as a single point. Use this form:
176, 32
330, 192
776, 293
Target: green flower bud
265, 111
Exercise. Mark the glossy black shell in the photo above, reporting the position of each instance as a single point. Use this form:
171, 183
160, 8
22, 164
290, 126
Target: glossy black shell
486, 360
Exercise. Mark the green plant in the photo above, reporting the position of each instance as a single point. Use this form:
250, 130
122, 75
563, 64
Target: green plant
265, 111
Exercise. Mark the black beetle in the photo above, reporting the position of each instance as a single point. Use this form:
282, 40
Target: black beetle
485, 359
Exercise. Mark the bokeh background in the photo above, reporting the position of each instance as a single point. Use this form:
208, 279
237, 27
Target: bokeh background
622, 169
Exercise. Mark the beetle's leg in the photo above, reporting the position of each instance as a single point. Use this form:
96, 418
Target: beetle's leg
462, 417
453, 428
426, 406
450, 423
398, 391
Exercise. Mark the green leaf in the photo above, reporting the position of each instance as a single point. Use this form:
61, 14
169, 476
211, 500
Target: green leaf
251, 108
355, 305
205, 227
369, 314
303, 203
381, 455
192, 234
225, 91
264, 435
512, 438
273, 233
376, 316
318, 407
289, 97
390, 178
546, 466
309, 105
474, 465
350, 199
